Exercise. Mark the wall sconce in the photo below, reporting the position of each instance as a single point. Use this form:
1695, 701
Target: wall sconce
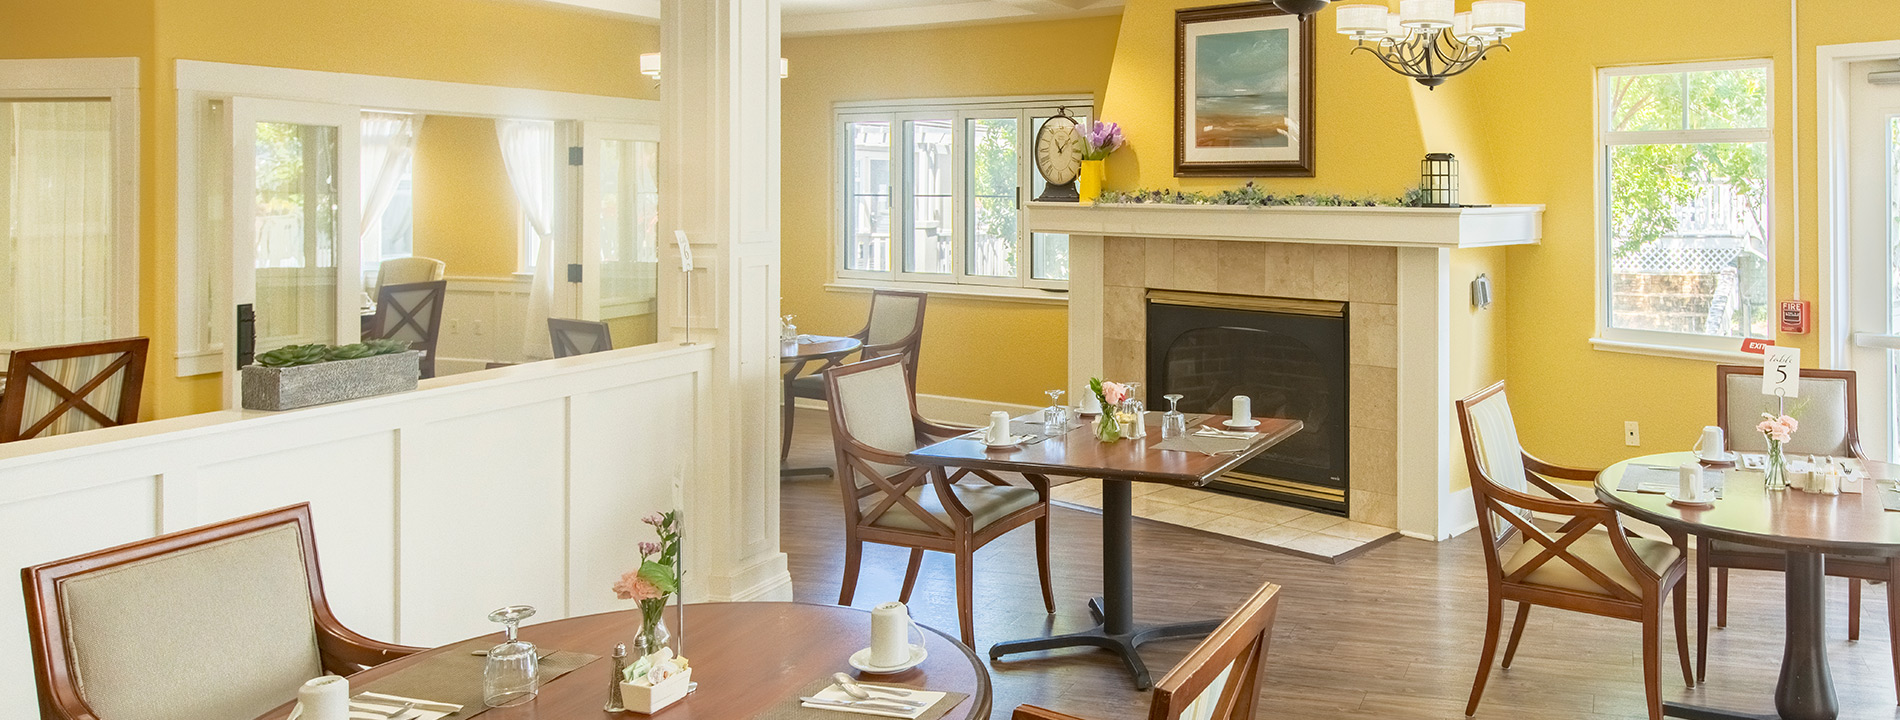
1481, 292
650, 66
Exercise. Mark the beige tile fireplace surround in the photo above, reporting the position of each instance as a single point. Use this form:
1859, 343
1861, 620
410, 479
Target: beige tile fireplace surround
1392, 268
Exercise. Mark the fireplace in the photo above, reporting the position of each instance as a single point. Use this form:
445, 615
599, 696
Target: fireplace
1289, 356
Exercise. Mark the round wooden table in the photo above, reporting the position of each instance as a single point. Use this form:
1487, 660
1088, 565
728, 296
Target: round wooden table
826, 350
1802, 525
747, 658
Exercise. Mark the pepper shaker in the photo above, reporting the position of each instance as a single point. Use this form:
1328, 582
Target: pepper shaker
614, 701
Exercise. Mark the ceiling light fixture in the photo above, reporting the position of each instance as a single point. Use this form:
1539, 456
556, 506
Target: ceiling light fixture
650, 66
1428, 40
1302, 8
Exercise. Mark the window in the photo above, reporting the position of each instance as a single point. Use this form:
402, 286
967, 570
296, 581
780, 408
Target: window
1686, 250
388, 146
62, 251
933, 192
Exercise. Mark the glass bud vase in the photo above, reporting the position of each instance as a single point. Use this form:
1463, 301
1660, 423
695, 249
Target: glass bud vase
1775, 471
653, 636
1108, 427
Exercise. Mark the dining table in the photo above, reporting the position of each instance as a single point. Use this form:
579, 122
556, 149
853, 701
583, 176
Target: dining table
824, 351
1805, 526
749, 660
1075, 451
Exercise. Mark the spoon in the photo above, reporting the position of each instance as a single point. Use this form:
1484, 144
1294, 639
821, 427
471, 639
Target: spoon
851, 687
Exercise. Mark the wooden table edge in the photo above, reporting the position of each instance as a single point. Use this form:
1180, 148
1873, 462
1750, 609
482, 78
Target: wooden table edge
1612, 497
1261, 444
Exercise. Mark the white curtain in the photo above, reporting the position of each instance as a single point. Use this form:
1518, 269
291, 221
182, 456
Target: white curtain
389, 146
58, 250
528, 152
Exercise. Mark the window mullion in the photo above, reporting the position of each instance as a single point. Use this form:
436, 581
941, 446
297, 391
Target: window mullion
960, 189
1025, 245
902, 200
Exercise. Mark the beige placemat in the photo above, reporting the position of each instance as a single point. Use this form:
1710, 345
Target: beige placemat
455, 676
791, 709
1206, 445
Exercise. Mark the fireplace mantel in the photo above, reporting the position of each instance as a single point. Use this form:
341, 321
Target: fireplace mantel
1450, 228
1392, 266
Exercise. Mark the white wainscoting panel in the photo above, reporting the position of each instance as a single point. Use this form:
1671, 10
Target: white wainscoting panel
432, 508
482, 322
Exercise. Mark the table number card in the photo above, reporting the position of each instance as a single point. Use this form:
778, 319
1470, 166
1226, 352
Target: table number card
686, 250
1781, 371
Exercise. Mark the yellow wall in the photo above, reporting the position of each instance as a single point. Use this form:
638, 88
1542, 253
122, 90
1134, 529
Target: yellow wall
516, 43
1539, 132
990, 350
466, 213
1478, 336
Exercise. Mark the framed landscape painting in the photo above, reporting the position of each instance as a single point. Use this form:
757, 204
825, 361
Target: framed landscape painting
1243, 83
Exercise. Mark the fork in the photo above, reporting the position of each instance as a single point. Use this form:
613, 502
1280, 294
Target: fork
371, 709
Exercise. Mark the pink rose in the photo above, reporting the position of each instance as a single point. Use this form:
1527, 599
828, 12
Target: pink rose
634, 587
1114, 393
1791, 423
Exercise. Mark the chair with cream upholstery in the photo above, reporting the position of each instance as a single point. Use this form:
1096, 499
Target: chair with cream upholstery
1588, 564
874, 424
222, 622
1219, 680
895, 327
70, 388
403, 271
579, 337
1829, 415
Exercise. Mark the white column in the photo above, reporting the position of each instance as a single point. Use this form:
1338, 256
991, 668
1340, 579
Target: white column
720, 183
1427, 509
1085, 313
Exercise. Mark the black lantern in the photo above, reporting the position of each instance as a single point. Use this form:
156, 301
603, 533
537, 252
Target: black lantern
1438, 180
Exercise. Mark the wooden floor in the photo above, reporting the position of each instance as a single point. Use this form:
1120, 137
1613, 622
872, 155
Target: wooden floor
1392, 633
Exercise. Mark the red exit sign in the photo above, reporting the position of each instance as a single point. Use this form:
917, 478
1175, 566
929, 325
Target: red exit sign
1758, 346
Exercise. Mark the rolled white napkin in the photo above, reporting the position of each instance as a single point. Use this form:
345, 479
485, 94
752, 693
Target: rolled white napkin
324, 698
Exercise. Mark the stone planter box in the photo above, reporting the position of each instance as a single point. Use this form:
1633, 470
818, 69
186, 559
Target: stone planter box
267, 388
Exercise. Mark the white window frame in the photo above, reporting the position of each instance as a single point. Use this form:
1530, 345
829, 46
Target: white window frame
1651, 342
960, 112
115, 80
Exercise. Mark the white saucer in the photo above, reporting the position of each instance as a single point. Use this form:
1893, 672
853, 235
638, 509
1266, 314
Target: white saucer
1727, 457
862, 661
1239, 424
1705, 501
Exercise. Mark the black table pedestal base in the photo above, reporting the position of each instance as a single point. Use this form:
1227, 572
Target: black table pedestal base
1806, 689
804, 472
1123, 644
1691, 712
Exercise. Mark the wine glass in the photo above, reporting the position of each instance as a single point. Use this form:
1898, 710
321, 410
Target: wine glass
1055, 418
512, 675
1173, 422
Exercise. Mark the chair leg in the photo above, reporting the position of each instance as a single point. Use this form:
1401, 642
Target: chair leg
1721, 597
1702, 610
1682, 631
853, 552
966, 582
789, 411
1893, 621
1493, 617
1853, 609
1517, 631
910, 574
1042, 562
1652, 659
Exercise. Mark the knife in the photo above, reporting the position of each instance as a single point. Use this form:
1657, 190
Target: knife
866, 704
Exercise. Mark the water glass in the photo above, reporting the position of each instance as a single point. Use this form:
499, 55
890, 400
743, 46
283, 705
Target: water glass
512, 675
1055, 418
1173, 422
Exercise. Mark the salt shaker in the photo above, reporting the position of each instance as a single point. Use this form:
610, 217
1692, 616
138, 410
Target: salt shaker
614, 702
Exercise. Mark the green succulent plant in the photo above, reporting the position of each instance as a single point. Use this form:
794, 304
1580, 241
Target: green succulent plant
295, 355
351, 352
386, 346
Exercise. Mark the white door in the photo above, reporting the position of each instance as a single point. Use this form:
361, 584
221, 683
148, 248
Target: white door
295, 250
620, 211
1874, 253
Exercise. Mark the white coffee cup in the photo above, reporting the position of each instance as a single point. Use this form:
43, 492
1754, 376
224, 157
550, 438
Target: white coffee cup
1711, 446
1690, 483
891, 629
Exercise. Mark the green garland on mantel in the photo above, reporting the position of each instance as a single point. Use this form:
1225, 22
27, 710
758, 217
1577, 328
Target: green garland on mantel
1251, 195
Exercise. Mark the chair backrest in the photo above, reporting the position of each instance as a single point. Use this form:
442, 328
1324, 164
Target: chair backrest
578, 337
873, 425
895, 327
222, 622
412, 312
69, 388
1220, 679
403, 271
1827, 410
1492, 449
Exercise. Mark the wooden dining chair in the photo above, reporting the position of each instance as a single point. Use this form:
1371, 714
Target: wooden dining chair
221, 621
412, 312
1589, 565
874, 424
1219, 680
70, 388
1830, 426
578, 337
895, 327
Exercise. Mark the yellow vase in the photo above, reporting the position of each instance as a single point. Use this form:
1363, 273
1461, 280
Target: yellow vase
1089, 183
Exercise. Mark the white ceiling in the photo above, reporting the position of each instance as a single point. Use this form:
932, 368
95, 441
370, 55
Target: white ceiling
815, 17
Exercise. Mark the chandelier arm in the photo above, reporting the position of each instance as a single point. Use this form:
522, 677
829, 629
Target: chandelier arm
1393, 63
